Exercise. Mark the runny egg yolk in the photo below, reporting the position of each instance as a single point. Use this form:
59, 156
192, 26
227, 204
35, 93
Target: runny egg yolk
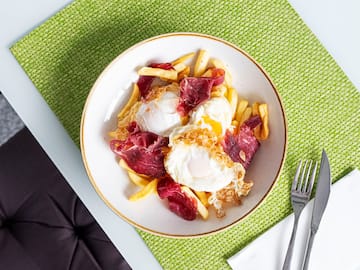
216, 126
214, 114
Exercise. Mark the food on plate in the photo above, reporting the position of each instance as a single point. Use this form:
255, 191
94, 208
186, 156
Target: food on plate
146, 190
186, 135
196, 160
159, 115
142, 151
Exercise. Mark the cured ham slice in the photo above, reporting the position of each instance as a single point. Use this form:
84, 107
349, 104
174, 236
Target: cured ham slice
165, 66
178, 201
241, 147
144, 82
193, 91
167, 187
142, 151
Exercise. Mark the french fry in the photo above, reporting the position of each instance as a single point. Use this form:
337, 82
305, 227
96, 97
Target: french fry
255, 111
264, 114
203, 197
184, 73
137, 179
255, 108
133, 98
204, 213
219, 91
168, 74
183, 58
246, 115
201, 63
232, 97
218, 64
180, 67
207, 73
145, 191
241, 107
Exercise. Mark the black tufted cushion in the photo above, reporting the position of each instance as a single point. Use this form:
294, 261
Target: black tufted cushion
43, 224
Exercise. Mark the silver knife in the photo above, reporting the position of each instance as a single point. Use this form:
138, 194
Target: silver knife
320, 202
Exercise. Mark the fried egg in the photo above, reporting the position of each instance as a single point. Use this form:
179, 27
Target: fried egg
215, 114
159, 115
197, 161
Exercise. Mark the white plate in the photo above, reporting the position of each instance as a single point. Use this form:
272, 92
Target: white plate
111, 91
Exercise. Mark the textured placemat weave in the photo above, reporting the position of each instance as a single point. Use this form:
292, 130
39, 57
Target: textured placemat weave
64, 56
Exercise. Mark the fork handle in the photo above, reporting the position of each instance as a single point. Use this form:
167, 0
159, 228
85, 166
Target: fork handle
308, 249
289, 252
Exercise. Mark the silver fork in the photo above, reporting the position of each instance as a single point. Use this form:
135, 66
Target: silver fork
300, 195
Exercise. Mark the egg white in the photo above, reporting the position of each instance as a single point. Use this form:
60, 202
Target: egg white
159, 115
195, 167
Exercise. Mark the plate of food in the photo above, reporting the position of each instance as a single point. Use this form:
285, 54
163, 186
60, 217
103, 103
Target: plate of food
183, 135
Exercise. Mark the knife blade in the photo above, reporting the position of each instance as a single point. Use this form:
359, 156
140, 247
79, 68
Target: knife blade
321, 199
322, 192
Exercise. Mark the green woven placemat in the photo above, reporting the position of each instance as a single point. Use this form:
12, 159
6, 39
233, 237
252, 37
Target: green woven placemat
65, 55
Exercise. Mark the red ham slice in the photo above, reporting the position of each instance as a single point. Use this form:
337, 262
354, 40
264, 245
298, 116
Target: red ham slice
183, 206
241, 147
167, 187
193, 91
165, 66
144, 82
142, 151
178, 201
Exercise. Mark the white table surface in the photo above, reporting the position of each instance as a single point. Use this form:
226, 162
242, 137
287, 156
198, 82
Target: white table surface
335, 23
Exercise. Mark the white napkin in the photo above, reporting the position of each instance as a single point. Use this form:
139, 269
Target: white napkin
337, 242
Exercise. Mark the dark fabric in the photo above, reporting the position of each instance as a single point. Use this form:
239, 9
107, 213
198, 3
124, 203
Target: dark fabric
43, 224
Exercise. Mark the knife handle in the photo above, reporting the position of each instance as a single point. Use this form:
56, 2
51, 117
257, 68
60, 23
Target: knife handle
308, 249
290, 249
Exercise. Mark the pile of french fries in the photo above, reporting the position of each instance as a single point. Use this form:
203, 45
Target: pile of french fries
202, 67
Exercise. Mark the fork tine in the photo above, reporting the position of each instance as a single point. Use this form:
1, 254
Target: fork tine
305, 186
296, 178
299, 188
312, 180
